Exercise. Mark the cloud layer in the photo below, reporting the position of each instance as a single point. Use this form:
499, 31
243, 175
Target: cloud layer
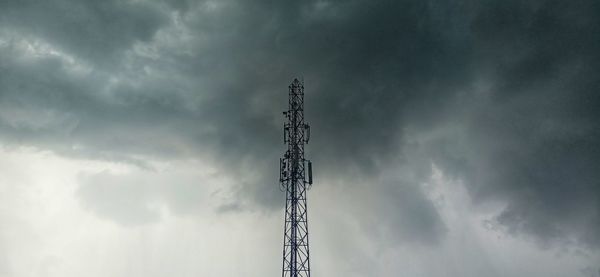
498, 95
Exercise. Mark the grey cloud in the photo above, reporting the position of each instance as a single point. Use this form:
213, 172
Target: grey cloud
533, 141
44, 106
402, 214
138, 198
125, 201
98, 31
498, 94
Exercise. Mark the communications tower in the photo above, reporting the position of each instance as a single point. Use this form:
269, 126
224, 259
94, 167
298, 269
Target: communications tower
295, 178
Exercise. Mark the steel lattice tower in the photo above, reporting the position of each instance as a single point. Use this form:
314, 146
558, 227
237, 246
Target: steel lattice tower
295, 178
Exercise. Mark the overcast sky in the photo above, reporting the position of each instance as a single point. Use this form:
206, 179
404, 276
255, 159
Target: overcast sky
449, 138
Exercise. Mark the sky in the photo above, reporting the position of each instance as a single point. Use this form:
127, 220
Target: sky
449, 138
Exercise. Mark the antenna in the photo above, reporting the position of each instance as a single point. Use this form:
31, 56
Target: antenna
293, 172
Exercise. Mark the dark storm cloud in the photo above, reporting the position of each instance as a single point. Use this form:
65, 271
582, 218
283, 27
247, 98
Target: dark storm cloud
43, 105
93, 30
534, 140
500, 94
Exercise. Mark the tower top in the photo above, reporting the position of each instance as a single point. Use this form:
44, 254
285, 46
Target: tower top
296, 83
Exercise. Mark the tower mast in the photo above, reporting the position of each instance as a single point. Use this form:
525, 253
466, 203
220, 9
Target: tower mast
295, 178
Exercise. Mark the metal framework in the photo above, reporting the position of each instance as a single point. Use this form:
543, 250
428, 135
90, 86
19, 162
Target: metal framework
295, 178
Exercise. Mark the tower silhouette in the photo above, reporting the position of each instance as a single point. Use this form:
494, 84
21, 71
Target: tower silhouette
295, 178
